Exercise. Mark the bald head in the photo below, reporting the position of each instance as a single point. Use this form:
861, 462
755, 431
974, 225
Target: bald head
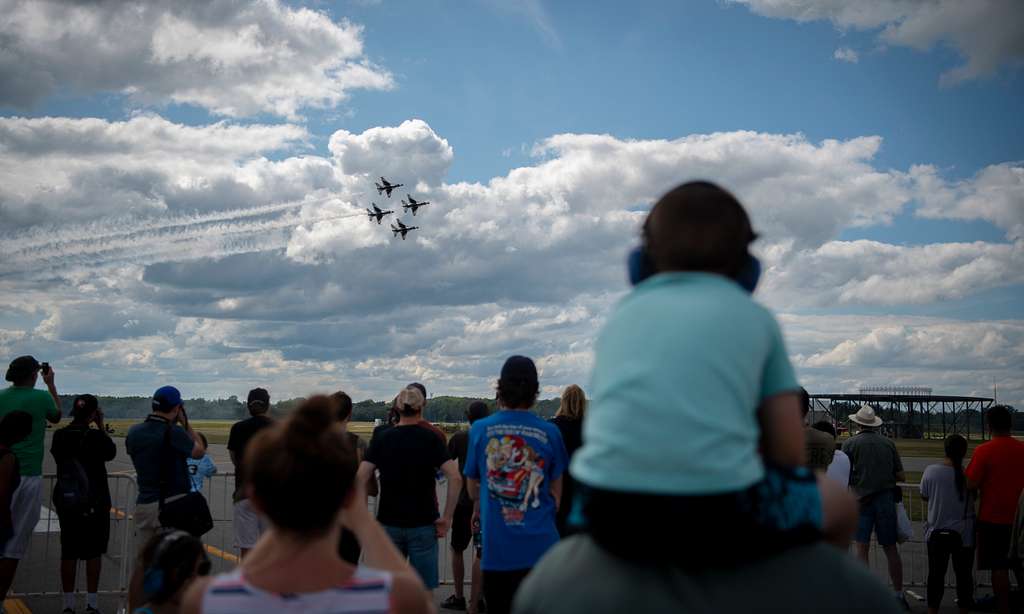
698, 226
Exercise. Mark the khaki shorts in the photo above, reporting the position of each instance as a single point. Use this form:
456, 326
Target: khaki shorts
249, 525
25, 504
147, 522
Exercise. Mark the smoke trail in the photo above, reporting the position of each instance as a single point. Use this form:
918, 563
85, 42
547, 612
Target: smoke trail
212, 235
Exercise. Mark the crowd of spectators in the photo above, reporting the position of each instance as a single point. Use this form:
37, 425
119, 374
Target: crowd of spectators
691, 481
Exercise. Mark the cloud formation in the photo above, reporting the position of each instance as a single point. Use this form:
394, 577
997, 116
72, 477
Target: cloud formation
987, 33
229, 265
230, 58
845, 54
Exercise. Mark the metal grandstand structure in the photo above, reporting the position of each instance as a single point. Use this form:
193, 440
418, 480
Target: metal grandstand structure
911, 412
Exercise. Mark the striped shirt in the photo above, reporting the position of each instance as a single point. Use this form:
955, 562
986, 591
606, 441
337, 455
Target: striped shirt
368, 591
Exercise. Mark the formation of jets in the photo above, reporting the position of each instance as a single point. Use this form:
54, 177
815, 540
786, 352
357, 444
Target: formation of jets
385, 187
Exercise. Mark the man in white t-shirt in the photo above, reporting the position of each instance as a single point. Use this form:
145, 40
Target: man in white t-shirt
839, 468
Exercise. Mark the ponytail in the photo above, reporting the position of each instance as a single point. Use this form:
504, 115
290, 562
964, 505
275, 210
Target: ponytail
956, 449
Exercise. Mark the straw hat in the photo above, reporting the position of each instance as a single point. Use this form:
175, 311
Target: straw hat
865, 416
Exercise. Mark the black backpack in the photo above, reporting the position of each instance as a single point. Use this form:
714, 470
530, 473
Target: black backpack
71, 494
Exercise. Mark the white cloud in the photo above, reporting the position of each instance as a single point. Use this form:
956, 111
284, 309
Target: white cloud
235, 266
845, 54
235, 59
995, 194
988, 33
411, 151
870, 272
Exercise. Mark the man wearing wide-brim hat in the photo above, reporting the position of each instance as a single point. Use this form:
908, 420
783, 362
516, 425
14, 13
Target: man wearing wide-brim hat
877, 469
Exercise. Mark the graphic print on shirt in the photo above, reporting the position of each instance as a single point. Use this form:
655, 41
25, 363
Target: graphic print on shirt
515, 471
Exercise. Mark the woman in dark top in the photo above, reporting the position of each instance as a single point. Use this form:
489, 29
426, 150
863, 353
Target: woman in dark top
84, 533
569, 420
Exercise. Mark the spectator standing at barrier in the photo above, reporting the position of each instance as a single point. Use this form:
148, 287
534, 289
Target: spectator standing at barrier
996, 470
569, 420
877, 468
949, 528
173, 560
199, 469
408, 457
301, 475
247, 523
821, 447
514, 468
14, 428
839, 469
348, 547
23, 373
159, 447
462, 521
80, 451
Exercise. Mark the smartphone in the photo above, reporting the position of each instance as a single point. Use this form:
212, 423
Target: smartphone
45, 368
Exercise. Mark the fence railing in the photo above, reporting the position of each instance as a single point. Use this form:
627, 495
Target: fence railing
38, 573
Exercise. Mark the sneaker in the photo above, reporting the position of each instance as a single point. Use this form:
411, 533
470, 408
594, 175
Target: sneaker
454, 603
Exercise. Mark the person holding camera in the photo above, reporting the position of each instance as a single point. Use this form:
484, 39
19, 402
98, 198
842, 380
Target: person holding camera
159, 447
81, 497
23, 373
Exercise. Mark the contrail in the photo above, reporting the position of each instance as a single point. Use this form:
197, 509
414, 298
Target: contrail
114, 227
212, 235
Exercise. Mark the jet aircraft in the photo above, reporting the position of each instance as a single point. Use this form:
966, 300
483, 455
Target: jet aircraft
386, 186
402, 228
377, 213
413, 204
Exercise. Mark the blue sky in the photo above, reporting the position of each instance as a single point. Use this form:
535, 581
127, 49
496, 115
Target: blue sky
489, 83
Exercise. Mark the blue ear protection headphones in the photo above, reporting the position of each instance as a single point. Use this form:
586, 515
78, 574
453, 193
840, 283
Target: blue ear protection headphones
155, 579
641, 267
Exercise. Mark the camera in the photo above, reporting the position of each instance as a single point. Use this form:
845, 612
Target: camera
45, 368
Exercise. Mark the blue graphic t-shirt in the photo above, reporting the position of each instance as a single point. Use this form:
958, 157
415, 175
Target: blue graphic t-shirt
516, 456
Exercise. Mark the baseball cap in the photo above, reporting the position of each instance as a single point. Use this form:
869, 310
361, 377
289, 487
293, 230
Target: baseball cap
166, 398
259, 395
519, 369
84, 405
476, 411
21, 367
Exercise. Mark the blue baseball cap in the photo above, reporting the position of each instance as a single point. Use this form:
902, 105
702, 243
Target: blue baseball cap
166, 398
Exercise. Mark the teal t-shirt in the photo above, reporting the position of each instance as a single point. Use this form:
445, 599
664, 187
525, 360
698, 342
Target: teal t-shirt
679, 372
39, 405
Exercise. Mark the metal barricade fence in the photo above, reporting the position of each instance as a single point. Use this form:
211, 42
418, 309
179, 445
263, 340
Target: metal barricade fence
39, 570
38, 573
914, 552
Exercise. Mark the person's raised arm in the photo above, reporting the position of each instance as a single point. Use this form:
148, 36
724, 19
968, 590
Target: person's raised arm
451, 471
782, 432
52, 418
198, 449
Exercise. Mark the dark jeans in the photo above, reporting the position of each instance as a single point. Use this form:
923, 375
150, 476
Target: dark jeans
500, 587
943, 545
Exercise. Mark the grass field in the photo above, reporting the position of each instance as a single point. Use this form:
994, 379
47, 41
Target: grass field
216, 431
